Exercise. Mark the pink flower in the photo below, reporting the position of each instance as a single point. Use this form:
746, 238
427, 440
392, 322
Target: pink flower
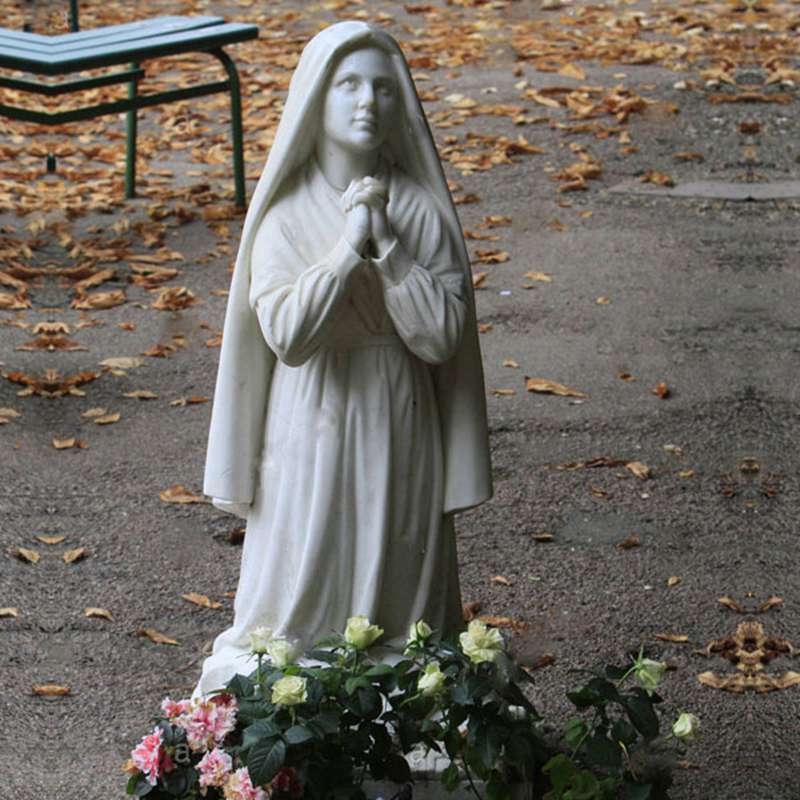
175, 708
239, 787
208, 722
151, 758
214, 768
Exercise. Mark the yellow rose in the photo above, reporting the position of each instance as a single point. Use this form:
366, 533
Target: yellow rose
685, 727
649, 673
289, 691
431, 682
360, 633
259, 639
480, 643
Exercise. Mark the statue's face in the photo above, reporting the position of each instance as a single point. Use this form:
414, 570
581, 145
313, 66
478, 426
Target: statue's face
361, 101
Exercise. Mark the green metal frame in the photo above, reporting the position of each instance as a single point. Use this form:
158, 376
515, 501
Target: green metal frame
134, 101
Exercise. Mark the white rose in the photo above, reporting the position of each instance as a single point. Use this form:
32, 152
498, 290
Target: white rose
649, 673
685, 727
431, 682
259, 639
480, 643
281, 651
418, 632
289, 691
360, 633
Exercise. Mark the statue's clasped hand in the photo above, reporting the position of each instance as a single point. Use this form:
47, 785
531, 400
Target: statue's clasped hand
366, 221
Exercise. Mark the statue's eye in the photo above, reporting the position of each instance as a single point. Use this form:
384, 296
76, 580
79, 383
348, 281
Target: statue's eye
386, 89
349, 82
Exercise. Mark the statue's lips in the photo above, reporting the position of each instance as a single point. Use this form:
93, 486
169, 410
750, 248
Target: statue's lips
366, 122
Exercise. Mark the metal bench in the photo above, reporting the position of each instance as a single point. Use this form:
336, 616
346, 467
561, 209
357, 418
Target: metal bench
128, 46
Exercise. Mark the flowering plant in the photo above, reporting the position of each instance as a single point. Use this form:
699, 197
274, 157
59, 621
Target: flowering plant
288, 730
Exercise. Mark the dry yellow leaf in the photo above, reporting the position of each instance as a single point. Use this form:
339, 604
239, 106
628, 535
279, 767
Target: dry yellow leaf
141, 394
770, 603
550, 387
93, 412
503, 392
570, 70
8, 413
122, 362
25, 554
180, 494
50, 690
543, 537
673, 580
201, 600
9, 612
108, 419
509, 362
73, 555
501, 580
99, 300
538, 276
64, 444
51, 539
686, 473
478, 279
661, 390
640, 470
677, 638
189, 401
629, 542
155, 636
102, 613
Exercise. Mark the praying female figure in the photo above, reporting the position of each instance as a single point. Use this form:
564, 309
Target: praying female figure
349, 419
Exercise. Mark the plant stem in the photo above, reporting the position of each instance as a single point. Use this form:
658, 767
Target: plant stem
473, 788
258, 674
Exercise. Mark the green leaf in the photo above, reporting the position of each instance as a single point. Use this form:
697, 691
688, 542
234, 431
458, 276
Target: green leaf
452, 742
365, 702
176, 782
560, 769
240, 686
602, 752
379, 671
497, 788
624, 732
298, 734
584, 787
641, 713
450, 778
574, 730
605, 689
141, 788
260, 729
585, 697
615, 673
637, 791
264, 760
397, 769
358, 682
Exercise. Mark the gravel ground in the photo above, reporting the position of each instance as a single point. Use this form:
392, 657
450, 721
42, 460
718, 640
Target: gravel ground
701, 295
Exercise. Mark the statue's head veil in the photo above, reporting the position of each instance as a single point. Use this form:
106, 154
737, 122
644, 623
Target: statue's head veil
240, 400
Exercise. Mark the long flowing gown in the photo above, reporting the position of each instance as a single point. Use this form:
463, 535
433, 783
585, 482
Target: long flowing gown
347, 517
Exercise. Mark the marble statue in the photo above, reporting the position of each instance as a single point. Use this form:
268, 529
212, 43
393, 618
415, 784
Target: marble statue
349, 418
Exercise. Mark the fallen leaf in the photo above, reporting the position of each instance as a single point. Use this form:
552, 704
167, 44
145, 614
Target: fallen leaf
155, 636
501, 622
64, 444
180, 494
501, 580
201, 600
640, 470
496, 220
772, 602
661, 390
108, 419
50, 690
730, 603
658, 178
677, 638
76, 554
9, 612
141, 394
550, 387
538, 276
603, 301
570, 70
236, 535
491, 257
102, 613
470, 610
478, 279
25, 554
543, 537
509, 362
629, 542
127, 326
174, 298
8, 413
484, 327
625, 376
673, 580
51, 540
93, 412
99, 300
686, 473
503, 392
189, 401
122, 362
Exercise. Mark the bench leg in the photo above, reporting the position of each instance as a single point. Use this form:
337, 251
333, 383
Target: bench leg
236, 126
130, 145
